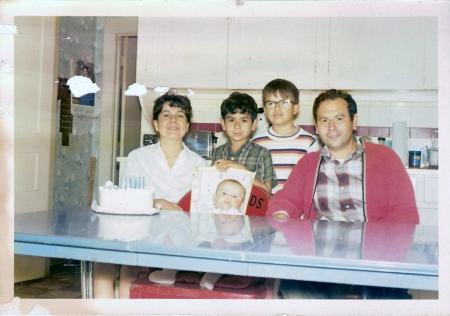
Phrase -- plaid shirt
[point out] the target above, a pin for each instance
(339, 187)
(254, 157)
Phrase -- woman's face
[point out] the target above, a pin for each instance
(171, 123)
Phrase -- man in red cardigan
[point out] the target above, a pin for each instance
(345, 180)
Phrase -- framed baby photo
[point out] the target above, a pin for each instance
(221, 192)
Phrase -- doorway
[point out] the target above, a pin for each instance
(127, 110)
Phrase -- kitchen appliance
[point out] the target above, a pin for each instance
(200, 142)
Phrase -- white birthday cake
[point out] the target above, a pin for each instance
(127, 200)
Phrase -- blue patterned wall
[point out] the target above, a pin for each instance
(80, 38)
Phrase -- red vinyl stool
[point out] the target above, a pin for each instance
(229, 286)
(261, 289)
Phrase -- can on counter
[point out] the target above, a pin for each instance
(414, 158)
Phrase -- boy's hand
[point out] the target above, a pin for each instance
(267, 186)
(223, 165)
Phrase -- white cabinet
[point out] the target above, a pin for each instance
(262, 49)
(382, 53)
(314, 53)
(347, 53)
(425, 183)
(182, 52)
(431, 54)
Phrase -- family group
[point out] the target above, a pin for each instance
(329, 176)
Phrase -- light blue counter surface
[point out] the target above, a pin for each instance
(392, 255)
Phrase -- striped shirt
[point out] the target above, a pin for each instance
(339, 188)
(286, 151)
(254, 157)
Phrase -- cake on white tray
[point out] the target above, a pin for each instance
(128, 200)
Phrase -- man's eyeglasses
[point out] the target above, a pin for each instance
(282, 103)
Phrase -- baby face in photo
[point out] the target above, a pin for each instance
(229, 196)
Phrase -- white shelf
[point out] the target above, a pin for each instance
(414, 171)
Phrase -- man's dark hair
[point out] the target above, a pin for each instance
(173, 100)
(239, 102)
(284, 87)
(334, 94)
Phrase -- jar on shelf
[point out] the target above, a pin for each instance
(434, 150)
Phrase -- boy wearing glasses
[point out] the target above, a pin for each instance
(287, 142)
(239, 121)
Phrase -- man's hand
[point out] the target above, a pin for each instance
(166, 205)
(223, 165)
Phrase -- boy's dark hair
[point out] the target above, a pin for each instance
(174, 100)
(334, 94)
(284, 87)
(238, 102)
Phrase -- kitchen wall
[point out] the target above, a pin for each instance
(377, 110)
(388, 64)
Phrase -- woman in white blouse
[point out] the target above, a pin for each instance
(167, 166)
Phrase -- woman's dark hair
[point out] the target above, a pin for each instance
(334, 94)
(239, 102)
(173, 100)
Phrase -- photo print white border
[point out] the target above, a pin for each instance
(192, 9)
